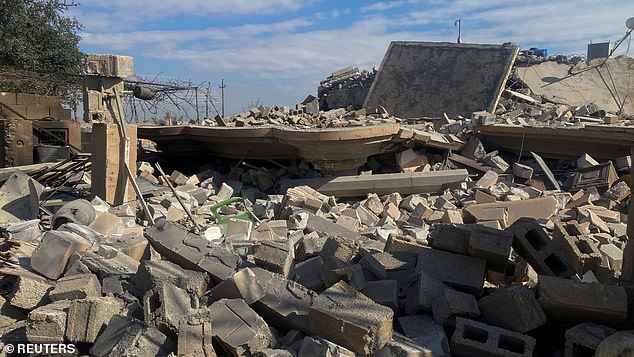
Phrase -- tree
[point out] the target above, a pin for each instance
(35, 35)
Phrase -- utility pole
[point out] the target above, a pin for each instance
(207, 95)
(458, 23)
(222, 88)
(197, 111)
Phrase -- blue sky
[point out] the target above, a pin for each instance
(277, 51)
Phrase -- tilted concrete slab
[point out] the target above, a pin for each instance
(431, 78)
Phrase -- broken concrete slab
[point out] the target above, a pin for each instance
(195, 336)
(539, 208)
(29, 293)
(19, 198)
(165, 305)
(382, 184)
(153, 273)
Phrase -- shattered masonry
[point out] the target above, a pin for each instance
(340, 232)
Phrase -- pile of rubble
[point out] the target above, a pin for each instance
(495, 266)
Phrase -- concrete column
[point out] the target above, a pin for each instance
(108, 174)
(628, 254)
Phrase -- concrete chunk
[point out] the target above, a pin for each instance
(76, 287)
(449, 303)
(165, 305)
(514, 308)
(349, 318)
(238, 329)
(88, 317)
(242, 285)
(195, 336)
(47, 324)
(585, 338)
(492, 245)
(568, 301)
(52, 254)
(464, 273)
(28, 293)
(274, 256)
(126, 336)
(153, 273)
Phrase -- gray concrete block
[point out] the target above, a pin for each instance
(456, 270)
(47, 324)
(308, 273)
(52, 254)
(238, 329)
(153, 273)
(129, 337)
(426, 332)
(74, 287)
(568, 301)
(165, 305)
(195, 336)
(475, 339)
(585, 338)
(515, 308)
(28, 293)
(88, 317)
(450, 237)
(347, 317)
(243, 285)
(449, 304)
(422, 289)
(274, 256)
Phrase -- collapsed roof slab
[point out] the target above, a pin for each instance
(334, 151)
(430, 78)
(603, 142)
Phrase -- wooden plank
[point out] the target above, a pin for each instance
(382, 184)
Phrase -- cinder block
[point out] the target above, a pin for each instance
(449, 304)
(382, 263)
(308, 273)
(47, 324)
(459, 271)
(126, 336)
(514, 308)
(285, 303)
(384, 292)
(110, 65)
(73, 287)
(165, 305)
(339, 247)
(450, 238)
(573, 302)
(274, 256)
(242, 285)
(154, 273)
(533, 244)
(29, 293)
(422, 289)
(580, 251)
(396, 243)
(475, 339)
(195, 336)
(52, 254)
(426, 332)
(349, 318)
(242, 330)
(584, 339)
(492, 245)
(88, 317)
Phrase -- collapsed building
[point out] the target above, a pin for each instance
(452, 213)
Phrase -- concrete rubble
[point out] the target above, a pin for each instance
(443, 245)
